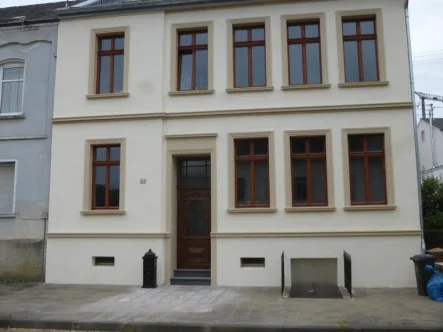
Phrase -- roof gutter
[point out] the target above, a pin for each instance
(27, 22)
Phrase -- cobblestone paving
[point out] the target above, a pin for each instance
(219, 305)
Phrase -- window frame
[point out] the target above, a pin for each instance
(112, 53)
(94, 65)
(13, 63)
(330, 206)
(174, 70)
(302, 19)
(388, 162)
(255, 21)
(88, 190)
(232, 174)
(14, 197)
(380, 47)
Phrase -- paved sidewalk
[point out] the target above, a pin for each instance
(208, 309)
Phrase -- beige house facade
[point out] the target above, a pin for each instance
(221, 134)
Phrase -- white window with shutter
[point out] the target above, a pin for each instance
(7, 187)
(11, 88)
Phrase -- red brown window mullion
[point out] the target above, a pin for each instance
(250, 64)
(194, 56)
(367, 178)
(304, 60)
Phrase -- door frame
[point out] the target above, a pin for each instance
(190, 145)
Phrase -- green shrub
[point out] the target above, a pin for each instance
(432, 203)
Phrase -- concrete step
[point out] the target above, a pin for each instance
(192, 273)
(192, 281)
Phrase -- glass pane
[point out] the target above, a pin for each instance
(13, 73)
(311, 31)
(201, 70)
(100, 154)
(242, 147)
(120, 43)
(258, 66)
(99, 186)
(357, 177)
(261, 179)
(241, 67)
(375, 143)
(317, 144)
(298, 145)
(185, 63)
(376, 180)
(258, 34)
(349, 28)
(300, 182)
(367, 27)
(104, 74)
(196, 218)
(115, 153)
(318, 181)
(201, 38)
(261, 147)
(351, 61)
(105, 44)
(295, 64)
(114, 186)
(185, 39)
(11, 98)
(356, 143)
(118, 73)
(369, 53)
(240, 35)
(294, 31)
(313, 63)
(243, 184)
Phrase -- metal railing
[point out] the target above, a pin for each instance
(282, 290)
(348, 271)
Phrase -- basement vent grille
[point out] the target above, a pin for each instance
(103, 261)
(252, 262)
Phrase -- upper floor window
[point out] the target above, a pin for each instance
(11, 88)
(110, 63)
(360, 49)
(192, 60)
(304, 52)
(249, 56)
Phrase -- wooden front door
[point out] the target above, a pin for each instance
(194, 213)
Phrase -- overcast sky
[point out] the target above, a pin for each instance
(427, 43)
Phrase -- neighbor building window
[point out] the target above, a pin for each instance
(249, 55)
(252, 172)
(110, 63)
(11, 88)
(309, 174)
(7, 184)
(367, 169)
(422, 135)
(192, 60)
(106, 177)
(304, 52)
(360, 49)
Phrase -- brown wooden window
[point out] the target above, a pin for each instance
(249, 56)
(192, 60)
(360, 49)
(309, 176)
(110, 63)
(106, 177)
(304, 53)
(252, 172)
(367, 169)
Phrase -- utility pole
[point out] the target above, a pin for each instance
(423, 107)
(431, 117)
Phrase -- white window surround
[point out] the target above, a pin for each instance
(12, 63)
(11, 214)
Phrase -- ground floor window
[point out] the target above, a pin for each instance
(7, 186)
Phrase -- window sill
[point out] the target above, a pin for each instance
(103, 212)
(7, 215)
(191, 93)
(370, 208)
(108, 95)
(251, 89)
(305, 87)
(362, 84)
(11, 116)
(252, 210)
(311, 209)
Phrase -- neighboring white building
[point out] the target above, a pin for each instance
(431, 147)
(167, 137)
